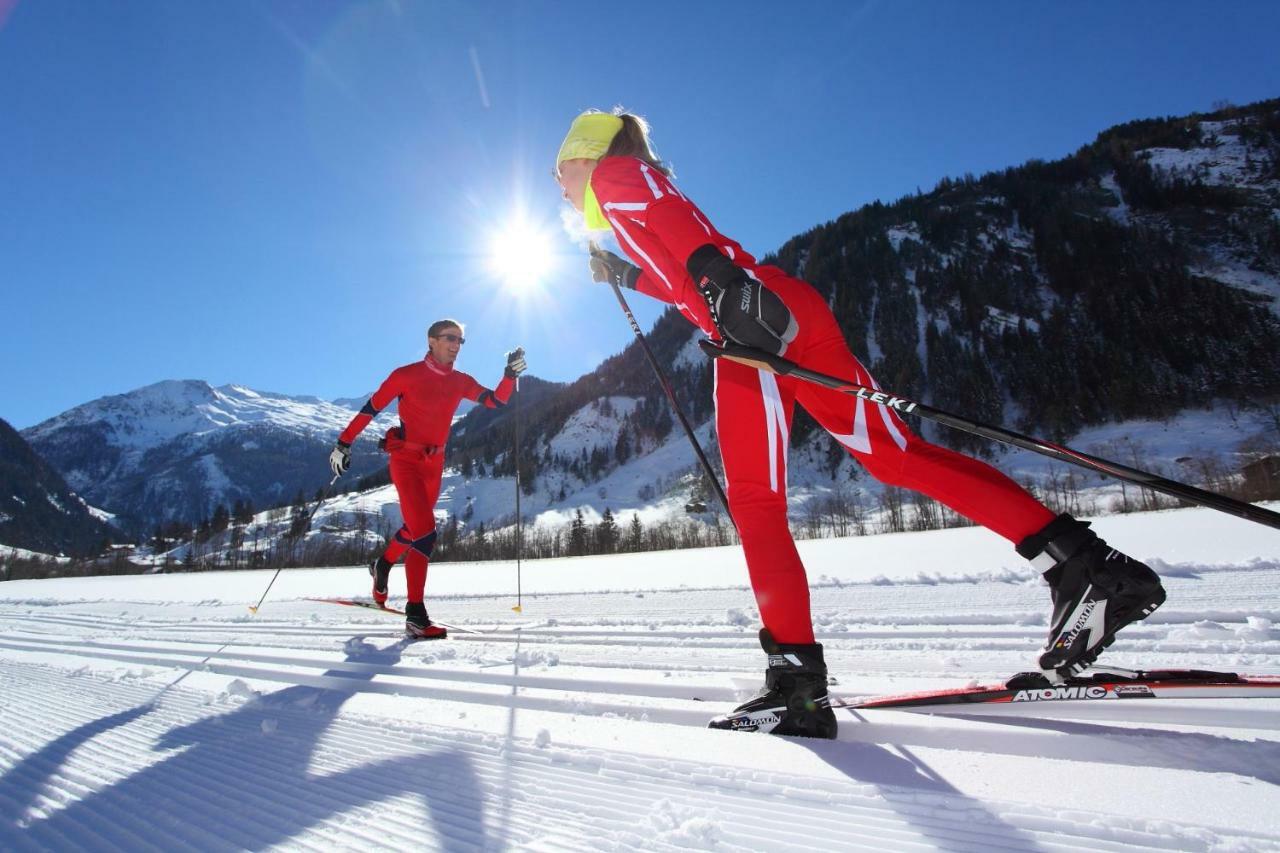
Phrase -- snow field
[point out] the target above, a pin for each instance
(156, 712)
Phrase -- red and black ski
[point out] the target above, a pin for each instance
(1034, 687)
(390, 611)
(355, 602)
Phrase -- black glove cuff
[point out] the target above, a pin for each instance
(342, 445)
(708, 262)
(629, 277)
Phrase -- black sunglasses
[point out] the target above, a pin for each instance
(451, 338)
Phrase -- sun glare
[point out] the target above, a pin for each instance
(520, 255)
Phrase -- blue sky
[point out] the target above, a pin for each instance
(284, 195)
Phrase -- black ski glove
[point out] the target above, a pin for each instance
(340, 458)
(515, 363)
(743, 310)
(609, 268)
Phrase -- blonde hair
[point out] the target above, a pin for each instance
(633, 141)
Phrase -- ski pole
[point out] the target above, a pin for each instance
(785, 367)
(671, 396)
(328, 493)
(519, 608)
(253, 608)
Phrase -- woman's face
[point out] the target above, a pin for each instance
(572, 177)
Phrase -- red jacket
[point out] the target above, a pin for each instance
(659, 229)
(429, 394)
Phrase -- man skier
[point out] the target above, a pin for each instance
(429, 392)
(607, 170)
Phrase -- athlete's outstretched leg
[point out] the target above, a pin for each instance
(1096, 590)
(878, 438)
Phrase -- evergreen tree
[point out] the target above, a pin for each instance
(635, 534)
(577, 535)
(606, 533)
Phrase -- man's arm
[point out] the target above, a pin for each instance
(340, 456)
(499, 396)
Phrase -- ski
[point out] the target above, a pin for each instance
(390, 611)
(355, 602)
(1100, 684)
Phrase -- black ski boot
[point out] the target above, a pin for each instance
(418, 626)
(380, 571)
(1096, 591)
(794, 701)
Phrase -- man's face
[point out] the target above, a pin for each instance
(445, 345)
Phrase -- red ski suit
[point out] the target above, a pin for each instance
(429, 394)
(659, 229)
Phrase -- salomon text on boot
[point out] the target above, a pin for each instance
(794, 700)
(1096, 591)
(418, 626)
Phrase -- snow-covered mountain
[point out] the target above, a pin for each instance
(177, 449)
(38, 512)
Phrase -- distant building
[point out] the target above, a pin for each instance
(1262, 478)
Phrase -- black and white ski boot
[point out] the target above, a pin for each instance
(418, 626)
(380, 571)
(794, 701)
(1096, 591)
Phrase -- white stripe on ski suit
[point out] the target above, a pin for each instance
(622, 232)
(860, 440)
(634, 207)
(775, 419)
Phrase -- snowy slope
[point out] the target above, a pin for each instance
(1226, 160)
(157, 713)
(174, 450)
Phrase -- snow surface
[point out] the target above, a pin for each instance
(157, 712)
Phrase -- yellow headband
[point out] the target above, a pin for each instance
(589, 137)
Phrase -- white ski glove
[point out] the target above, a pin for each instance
(340, 458)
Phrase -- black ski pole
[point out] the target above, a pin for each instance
(253, 608)
(671, 395)
(519, 608)
(785, 367)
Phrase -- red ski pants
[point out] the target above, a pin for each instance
(417, 480)
(753, 421)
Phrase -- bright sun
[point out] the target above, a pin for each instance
(520, 255)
